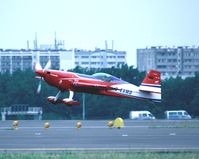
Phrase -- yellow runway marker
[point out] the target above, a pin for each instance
(79, 124)
(110, 124)
(46, 125)
(15, 124)
(119, 123)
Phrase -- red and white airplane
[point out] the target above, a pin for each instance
(98, 83)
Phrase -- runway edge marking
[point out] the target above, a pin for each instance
(102, 149)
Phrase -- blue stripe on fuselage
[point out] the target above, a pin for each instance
(148, 85)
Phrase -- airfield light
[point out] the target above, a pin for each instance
(110, 124)
(15, 124)
(79, 124)
(46, 125)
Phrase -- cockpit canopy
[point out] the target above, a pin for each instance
(107, 78)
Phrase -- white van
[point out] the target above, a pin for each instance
(176, 114)
(141, 115)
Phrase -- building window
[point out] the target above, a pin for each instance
(85, 57)
(121, 63)
(111, 63)
(161, 66)
(121, 57)
(111, 57)
(85, 63)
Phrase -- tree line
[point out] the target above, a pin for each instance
(20, 88)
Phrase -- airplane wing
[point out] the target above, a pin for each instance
(86, 85)
(92, 86)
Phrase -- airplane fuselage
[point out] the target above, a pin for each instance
(68, 81)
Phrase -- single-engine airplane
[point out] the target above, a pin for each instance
(98, 83)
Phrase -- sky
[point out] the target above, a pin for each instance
(86, 24)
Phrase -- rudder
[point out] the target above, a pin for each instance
(152, 82)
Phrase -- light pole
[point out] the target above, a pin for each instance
(83, 111)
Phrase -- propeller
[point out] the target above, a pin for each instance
(38, 66)
(48, 65)
(40, 72)
(39, 88)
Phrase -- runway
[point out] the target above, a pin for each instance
(31, 136)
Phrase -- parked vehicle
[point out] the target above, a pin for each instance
(141, 115)
(177, 114)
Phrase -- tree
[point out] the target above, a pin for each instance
(20, 88)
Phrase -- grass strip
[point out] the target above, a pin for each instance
(111, 155)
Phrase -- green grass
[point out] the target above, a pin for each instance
(111, 155)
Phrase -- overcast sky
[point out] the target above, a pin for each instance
(86, 24)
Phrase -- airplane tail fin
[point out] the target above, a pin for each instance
(152, 82)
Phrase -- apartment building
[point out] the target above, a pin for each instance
(61, 59)
(12, 60)
(171, 62)
(99, 58)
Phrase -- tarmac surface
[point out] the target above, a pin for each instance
(63, 136)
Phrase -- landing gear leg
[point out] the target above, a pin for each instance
(57, 96)
(54, 99)
(70, 101)
(71, 95)
(67, 101)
